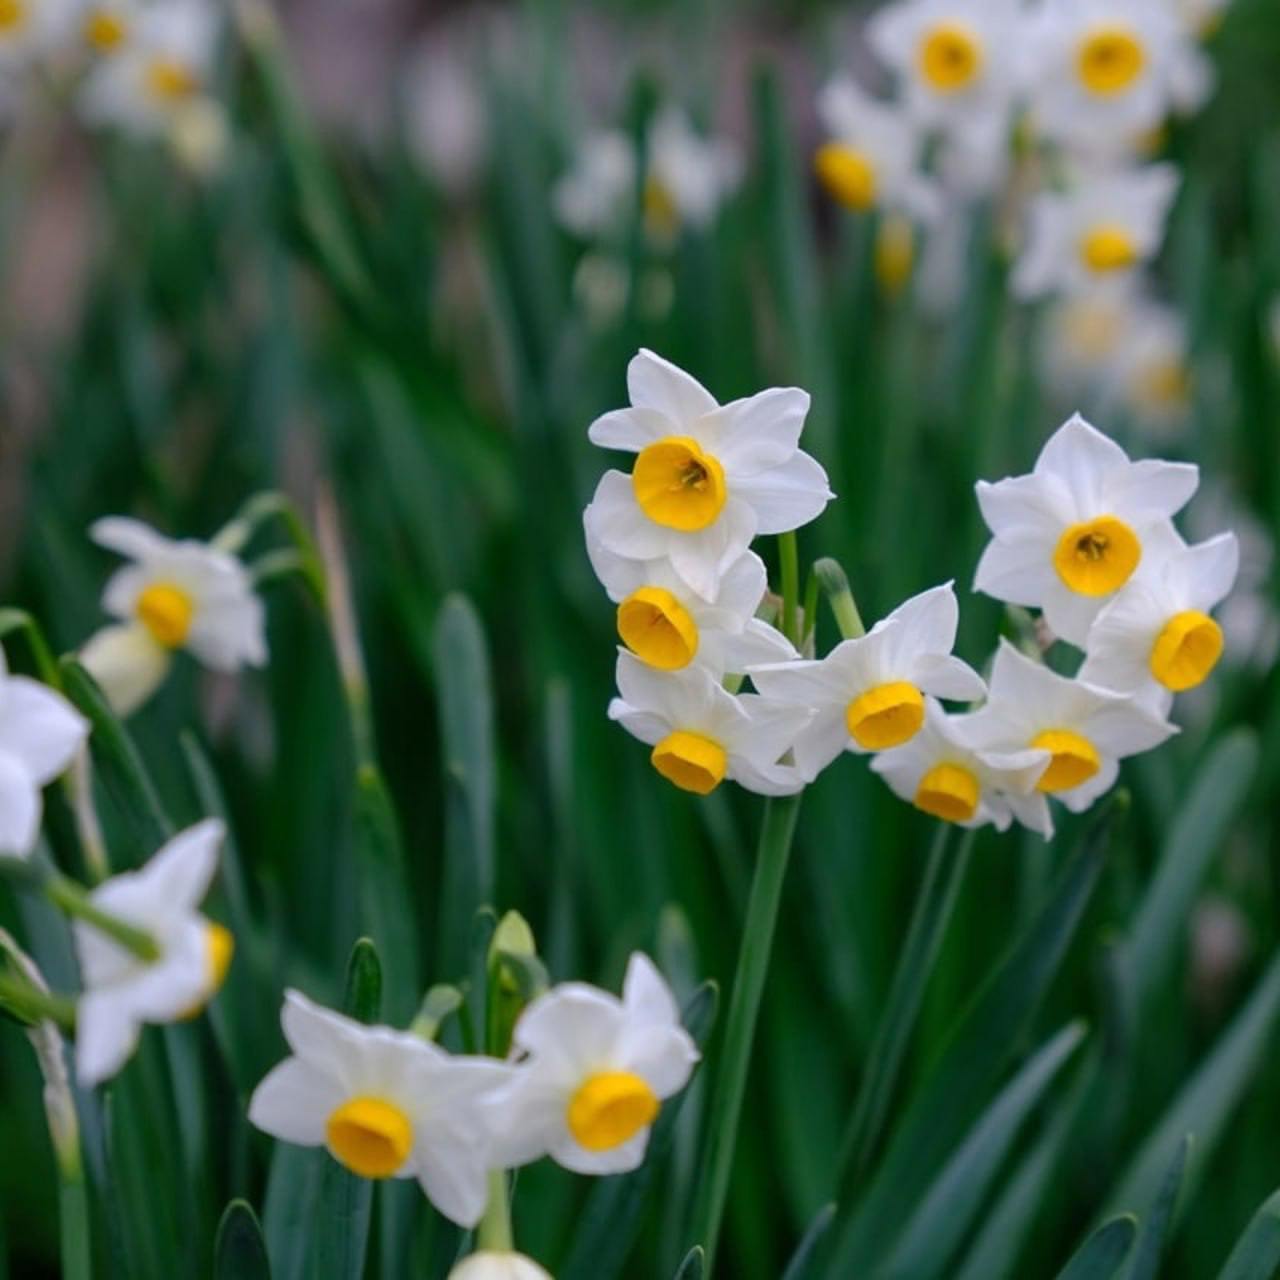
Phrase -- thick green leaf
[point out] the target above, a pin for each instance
(804, 1262)
(934, 1230)
(1103, 1253)
(289, 1208)
(1155, 1227)
(1257, 1252)
(239, 1251)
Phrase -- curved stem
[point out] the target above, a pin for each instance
(494, 1231)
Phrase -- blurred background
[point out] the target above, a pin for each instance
(364, 285)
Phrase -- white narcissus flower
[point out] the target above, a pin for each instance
(943, 775)
(1151, 372)
(1069, 535)
(958, 60)
(33, 29)
(489, 1264)
(108, 26)
(1103, 72)
(869, 694)
(591, 200)
(668, 625)
(120, 990)
(1084, 330)
(707, 477)
(1099, 232)
(871, 159)
(158, 72)
(1087, 731)
(689, 176)
(701, 734)
(1156, 637)
(591, 1074)
(40, 733)
(175, 595)
(385, 1103)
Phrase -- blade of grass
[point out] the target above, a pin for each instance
(1256, 1255)
(804, 1262)
(1103, 1253)
(239, 1251)
(1155, 1227)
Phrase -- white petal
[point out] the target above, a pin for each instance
(40, 728)
(1121, 727)
(1080, 798)
(20, 807)
(655, 383)
(758, 643)
(294, 1102)
(328, 1041)
(786, 496)
(1211, 568)
(1084, 459)
(615, 518)
(1019, 573)
(759, 433)
(824, 738)
(645, 993)
(179, 874)
(701, 559)
(129, 537)
(630, 429)
(663, 1057)
(454, 1177)
(1069, 614)
(106, 1034)
(622, 1159)
(229, 634)
(127, 663)
(644, 725)
(1152, 487)
(572, 1024)
(948, 677)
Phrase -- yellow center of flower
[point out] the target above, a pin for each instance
(1186, 650)
(847, 173)
(950, 57)
(166, 611)
(1164, 384)
(678, 485)
(1096, 557)
(104, 30)
(13, 15)
(1075, 759)
(170, 81)
(691, 761)
(1108, 248)
(609, 1108)
(370, 1136)
(886, 716)
(220, 946)
(895, 253)
(949, 792)
(661, 214)
(658, 629)
(1110, 59)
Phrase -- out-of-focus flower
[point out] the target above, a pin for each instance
(1156, 637)
(701, 734)
(444, 114)
(1084, 330)
(707, 477)
(33, 29)
(175, 595)
(872, 154)
(121, 991)
(668, 626)
(40, 733)
(1152, 370)
(1070, 534)
(491, 1265)
(107, 26)
(869, 694)
(199, 136)
(592, 1073)
(1087, 731)
(386, 1104)
(1105, 227)
(940, 773)
(591, 199)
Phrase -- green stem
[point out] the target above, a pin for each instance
(73, 1224)
(72, 899)
(236, 534)
(494, 1231)
(31, 1004)
(789, 559)
(809, 614)
(744, 1010)
(839, 595)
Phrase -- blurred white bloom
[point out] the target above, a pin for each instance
(591, 199)
(592, 1072)
(1083, 333)
(1151, 370)
(162, 67)
(200, 137)
(33, 29)
(1086, 731)
(702, 734)
(869, 693)
(40, 733)
(707, 477)
(386, 1104)
(1156, 637)
(120, 990)
(175, 595)
(444, 114)
(1070, 534)
(871, 157)
(107, 26)
(689, 176)
(490, 1265)
(942, 775)
(958, 60)
(1103, 72)
(667, 625)
(1107, 225)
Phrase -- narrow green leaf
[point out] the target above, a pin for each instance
(1155, 1227)
(440, 1003)
(940, 1221)
(1103, 1253)
(1257, 1252)
(693, 1266)
(289, 1208)
(804, 1262)
(239, 1251)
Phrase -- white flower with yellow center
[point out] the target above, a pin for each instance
(1103, 72)
(1156, 638)
(107, 26)
(1069, 535)
(956, 59)
(40, 734)
(120, 990)
(385, 1103)
(871, 158)
(869, 694)
(943, 775)
(1099, 232)
(669, 626)
(175, 595)
(489, 1264)
(33, 29)
(592, 198)
(1082, 334)
(707, 477)
(159, 73)
(701, 734)
(1087, 731)
(1151, 373)
(591, 1074)
(689, 176)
